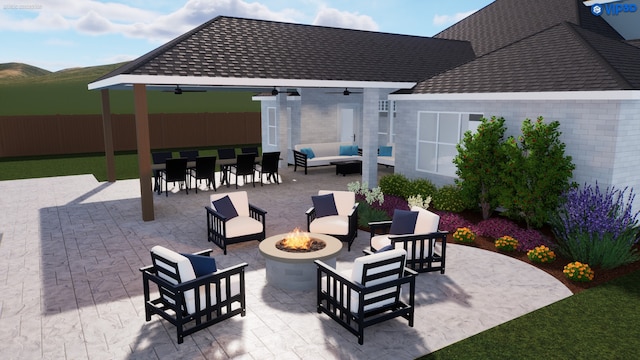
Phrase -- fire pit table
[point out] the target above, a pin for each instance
(296, 270)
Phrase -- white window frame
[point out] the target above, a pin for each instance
(272, 126)
(420, 143)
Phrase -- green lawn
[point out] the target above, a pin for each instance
(599, 323)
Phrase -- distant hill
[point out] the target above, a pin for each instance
(23, 73)
(20, 71)
(40, 92)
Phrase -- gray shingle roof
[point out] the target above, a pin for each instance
(246, 48)
(563, 57)
(504, 22)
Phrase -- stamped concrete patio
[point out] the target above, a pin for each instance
(70, 287)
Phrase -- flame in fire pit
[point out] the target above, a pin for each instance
(297, 240)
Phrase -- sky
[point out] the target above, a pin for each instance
(62, 34)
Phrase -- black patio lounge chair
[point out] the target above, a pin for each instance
(192, 295)
(370, 295)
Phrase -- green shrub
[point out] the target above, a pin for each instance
(448, 198)
(535, 174)
(395, 184)
(422, 187)
(477, 162)
(367, 214)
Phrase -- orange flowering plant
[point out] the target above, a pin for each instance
(464, 234)
(578, 271)
(506, 243)
(541, 254)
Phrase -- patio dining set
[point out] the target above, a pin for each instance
(190, 168)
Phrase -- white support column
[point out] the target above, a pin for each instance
(371, 123)
(283, 126)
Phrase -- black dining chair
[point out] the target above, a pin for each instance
(191, 155)
(245, 165)
(225, 154)
(269, 166)
(250, 150)
(159, 157)
(176, 170)
(205, 169)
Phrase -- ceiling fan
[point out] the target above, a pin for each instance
(345, 92)
(178, 90)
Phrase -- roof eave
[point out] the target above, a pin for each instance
(123, 81)
(529, 96)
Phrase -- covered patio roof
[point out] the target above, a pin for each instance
(228, 53)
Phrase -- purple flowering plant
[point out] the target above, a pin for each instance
(595, 227)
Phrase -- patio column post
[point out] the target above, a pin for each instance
(108, 136)
(283, 125)
(370, 127)
(144, 150)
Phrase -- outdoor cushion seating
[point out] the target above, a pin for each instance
(342, 219)
(188, 299)
(231, 219)
(321, 154)
(367, 294)
(386, 155)
(425, 245)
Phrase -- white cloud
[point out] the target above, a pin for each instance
(97, 18)
(344, 19)
(440, 20)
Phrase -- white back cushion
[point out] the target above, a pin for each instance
(185, 269)
(239, 199)
(344, 200)
(358, 271)
(427, 221)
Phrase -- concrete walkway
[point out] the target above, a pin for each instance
(70, 287)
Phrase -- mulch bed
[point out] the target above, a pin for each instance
(555, 268)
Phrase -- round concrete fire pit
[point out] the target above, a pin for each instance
(296, 270)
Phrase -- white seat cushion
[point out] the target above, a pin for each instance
(331, 225)
(185, 269)
(427, 221)
(358, 271)
(243, 225)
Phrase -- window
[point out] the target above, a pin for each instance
(386, 131)
(272, 126)
(438, 135)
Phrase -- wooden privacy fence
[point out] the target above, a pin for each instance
(75, 134)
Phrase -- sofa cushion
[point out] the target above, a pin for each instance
(225, 207)
(404, 222)
(202, 265)
(308, 152)
(324, 205)
(427, 222)
(239, 199)
(385, 151)
(344, 200)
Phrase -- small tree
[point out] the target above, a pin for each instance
(536, 172)
(478, 159)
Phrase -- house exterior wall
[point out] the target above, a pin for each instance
(600, 136)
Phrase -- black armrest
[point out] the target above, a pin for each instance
(379, 227)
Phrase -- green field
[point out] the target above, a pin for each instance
(65, 92)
